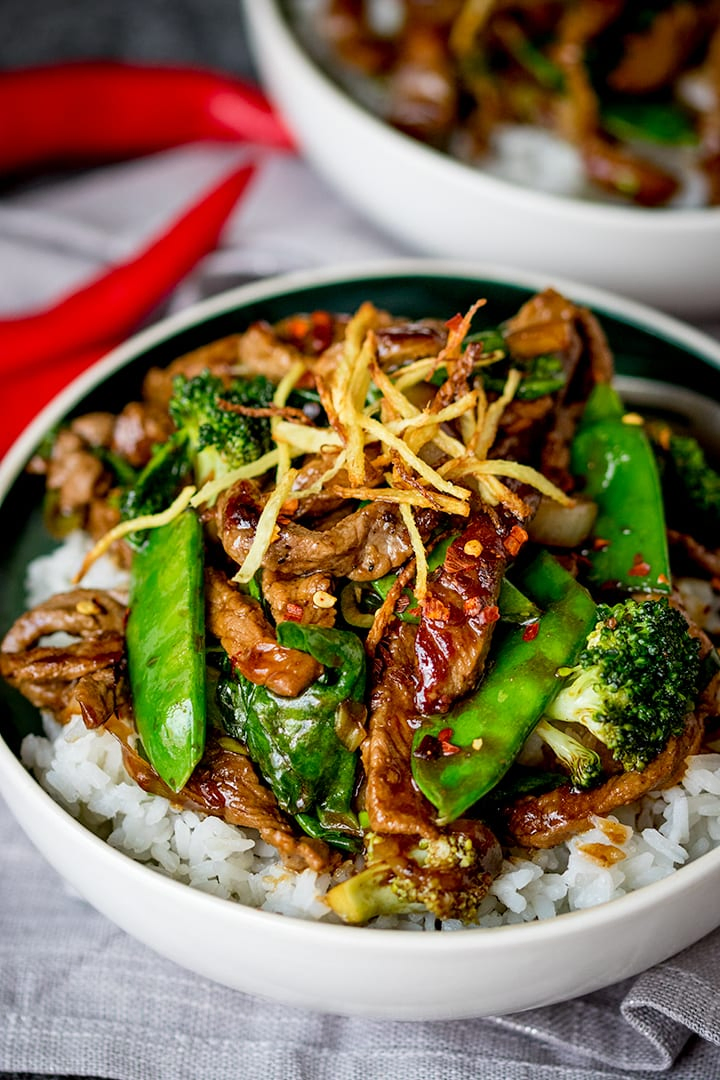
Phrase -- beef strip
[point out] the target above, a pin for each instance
(139, 427)
(217, 357)
(614, 168)
(393, 803)
(401, 343)
(87, 613)
(607, 163)
(328, 500)
(710, 121)
(363, 546)
(421, 86)
(545, 820)
(523, 428)
(58, 677)
(74, 473)
(705, 558)
(95, 428)
(399, 814)
(344, 26)
(225, 785)
(653, 57)
(98, 695)
(460, 611)
(307, 599)
(548, 322)
(247, 637)
(257, 351)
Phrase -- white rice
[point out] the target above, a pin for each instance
(83, 771)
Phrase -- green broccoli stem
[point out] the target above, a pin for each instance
(613, 456)
(635, 680)
(582, 763)
(366, 895)
(459, 757)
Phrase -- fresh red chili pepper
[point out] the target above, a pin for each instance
(88, 112)
(40, 353)
(25, 394)
(112, 305)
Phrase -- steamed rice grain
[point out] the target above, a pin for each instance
(84, 772)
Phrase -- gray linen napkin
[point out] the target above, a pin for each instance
(77, 995)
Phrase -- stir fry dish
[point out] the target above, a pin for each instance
(634, 88)
(402, 594)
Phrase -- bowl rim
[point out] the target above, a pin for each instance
(271, 20)
(630, 312)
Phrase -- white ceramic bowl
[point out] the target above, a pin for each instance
(350, 970)
(442, 207)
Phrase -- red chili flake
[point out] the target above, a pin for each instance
(436, 610)
(322, 331)
(443, 737)
(473, 606)
(456, 561)
(663, 438)
(297, 327)
(491, 613)
(288, 508)
(455, 323)
(428, 749)
(515, 540)
(599, 544)
(293, 612)
(639, 567)
(531, 631)
(403, 603)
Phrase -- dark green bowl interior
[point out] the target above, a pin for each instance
(638, 352)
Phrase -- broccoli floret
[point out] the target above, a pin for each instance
(691, 487)
(445, 876)
(219, 438)
(635, 681)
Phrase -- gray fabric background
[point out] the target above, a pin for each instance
(206, 32)
(77, 996)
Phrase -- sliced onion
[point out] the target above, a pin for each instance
(351, 613)
(562, 526)
(350, 717)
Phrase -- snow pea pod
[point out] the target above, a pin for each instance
(612, 454)
(166, 648)
(461, 756)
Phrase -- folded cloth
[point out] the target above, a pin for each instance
(77, 995)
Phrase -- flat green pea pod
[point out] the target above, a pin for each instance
(166, 647)
(612, 454)
(306, 746)
(461, 756)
